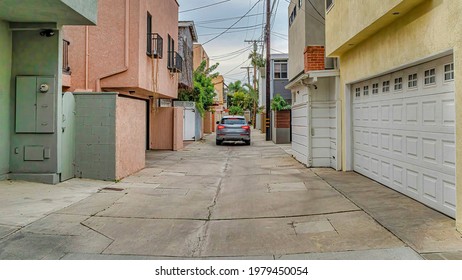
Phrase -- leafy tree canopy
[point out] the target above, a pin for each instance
(203, 90)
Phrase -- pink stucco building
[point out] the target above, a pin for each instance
(114, 55)
(133, 51)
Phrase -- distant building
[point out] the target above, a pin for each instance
(279, 79)
(187, 36)
(200, 55)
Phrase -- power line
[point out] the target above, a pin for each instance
(315, 18)
(233, 24)
(316, 10)
(234, 52)
(225, 19)
(233, 28)
(236, 67)
(203, 7)
(235, 31)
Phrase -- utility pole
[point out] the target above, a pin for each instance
(248, 73)
(268, 70)
(253, 55)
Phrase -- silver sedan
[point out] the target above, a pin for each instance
(233, 128)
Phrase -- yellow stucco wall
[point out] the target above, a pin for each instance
(355, 20)
(428, 29)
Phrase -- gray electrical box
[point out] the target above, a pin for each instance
(35, 104)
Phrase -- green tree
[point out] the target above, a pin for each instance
(203, 90)
(279, 103)
(236, 111)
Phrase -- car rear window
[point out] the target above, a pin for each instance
(233, 121)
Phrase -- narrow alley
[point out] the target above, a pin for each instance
(222, 202)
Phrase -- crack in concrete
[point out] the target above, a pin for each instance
(201, 239)
(232, 219)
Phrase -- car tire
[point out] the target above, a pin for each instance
(247, 142)
(219, 142)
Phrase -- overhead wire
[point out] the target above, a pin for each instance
(203, 7)
(219, 35)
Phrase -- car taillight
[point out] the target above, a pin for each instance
(246, 127)
(221, 127)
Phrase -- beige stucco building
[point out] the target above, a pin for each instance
(400, 90)
(200, 55)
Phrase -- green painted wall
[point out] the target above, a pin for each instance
(5, 80)
(95, 135)
(35, 55)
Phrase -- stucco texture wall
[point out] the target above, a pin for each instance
(130, 136)
(34, 55)
(123, 64)
(95, 136)
(307, 29)
(429, 29)
(5, 79)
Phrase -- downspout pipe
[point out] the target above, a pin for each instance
(126, 53)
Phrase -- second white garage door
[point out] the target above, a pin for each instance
(404, 132)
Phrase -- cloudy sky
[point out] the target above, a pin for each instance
(230, 50)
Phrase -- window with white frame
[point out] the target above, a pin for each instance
(366, 91)
(386, 86)
(430, 77)
(412, 81)
(375, 88)
(399, 83)
(358, 92)
(449, 72)
(280, 69)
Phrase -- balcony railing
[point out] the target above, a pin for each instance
(66, 67)
(155, 45)
(175, 62)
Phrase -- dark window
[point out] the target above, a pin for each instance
(233, 121)
(149, 34)
(171, 51)
(280, 69)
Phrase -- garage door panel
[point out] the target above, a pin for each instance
(435, 151)
(406, 139)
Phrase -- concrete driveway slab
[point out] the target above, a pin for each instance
(167, 203)
(7, 230)
(176, 238)
(23, 202)
(401, 253)
(32, 246)
(353, 231)
(93, 204)
(424, 229)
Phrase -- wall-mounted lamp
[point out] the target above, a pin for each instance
(47, 33)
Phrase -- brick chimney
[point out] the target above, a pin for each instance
(315, 58)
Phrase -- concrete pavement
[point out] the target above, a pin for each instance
(222, 202)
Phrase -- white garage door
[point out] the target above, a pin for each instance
(300, 132)
(404, 132)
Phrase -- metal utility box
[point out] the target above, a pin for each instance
(35, 104)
